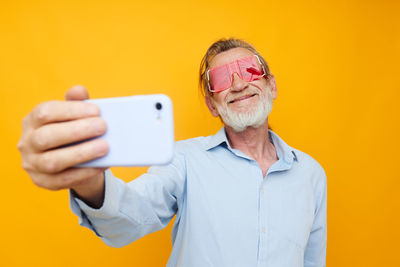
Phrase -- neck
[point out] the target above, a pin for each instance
(253, 142)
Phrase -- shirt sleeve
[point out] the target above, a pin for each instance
(315, 254)
(132, 210)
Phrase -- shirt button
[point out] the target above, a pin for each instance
(262, 191)
(263, 230)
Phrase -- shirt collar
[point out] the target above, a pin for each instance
(283, 150)
(218, 139)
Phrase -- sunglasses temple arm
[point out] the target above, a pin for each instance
(208, 80)
(259, 61)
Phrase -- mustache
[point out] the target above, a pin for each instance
(232, 97)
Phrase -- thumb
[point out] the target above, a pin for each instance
(77, 92)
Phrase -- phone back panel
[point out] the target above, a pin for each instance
(140, 131)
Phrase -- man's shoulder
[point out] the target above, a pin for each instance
(312, 170)
(307, 161)
(199, 143)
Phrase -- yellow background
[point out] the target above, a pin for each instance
(337, 68)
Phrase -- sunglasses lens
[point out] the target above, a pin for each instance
(254, 71)
(220, 78)
(247, 68)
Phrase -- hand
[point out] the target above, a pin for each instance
(51, 126)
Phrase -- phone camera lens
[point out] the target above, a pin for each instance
(158, 106)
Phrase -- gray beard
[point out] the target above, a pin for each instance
(255, 117)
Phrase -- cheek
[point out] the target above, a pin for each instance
(220, 98)
(261, 86)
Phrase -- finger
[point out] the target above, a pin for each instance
(77, 92)
(66, 179)
(58, 134)
(57, 160)
(58, 111)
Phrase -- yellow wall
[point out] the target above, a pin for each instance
(337, 70)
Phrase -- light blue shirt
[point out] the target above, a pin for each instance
(227, 213)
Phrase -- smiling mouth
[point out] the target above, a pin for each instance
(241, 98)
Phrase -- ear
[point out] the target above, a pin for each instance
(211, 107)
(272, 85)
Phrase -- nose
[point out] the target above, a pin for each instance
(237, 83)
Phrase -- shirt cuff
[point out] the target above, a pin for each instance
(113, 188)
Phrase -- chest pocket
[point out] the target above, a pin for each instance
(291, 213)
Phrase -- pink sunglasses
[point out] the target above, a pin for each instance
(249, 69)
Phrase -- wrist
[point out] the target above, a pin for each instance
(91, 191)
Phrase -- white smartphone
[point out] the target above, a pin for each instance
(140, 131)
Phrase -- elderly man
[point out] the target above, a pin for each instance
(241, 197)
